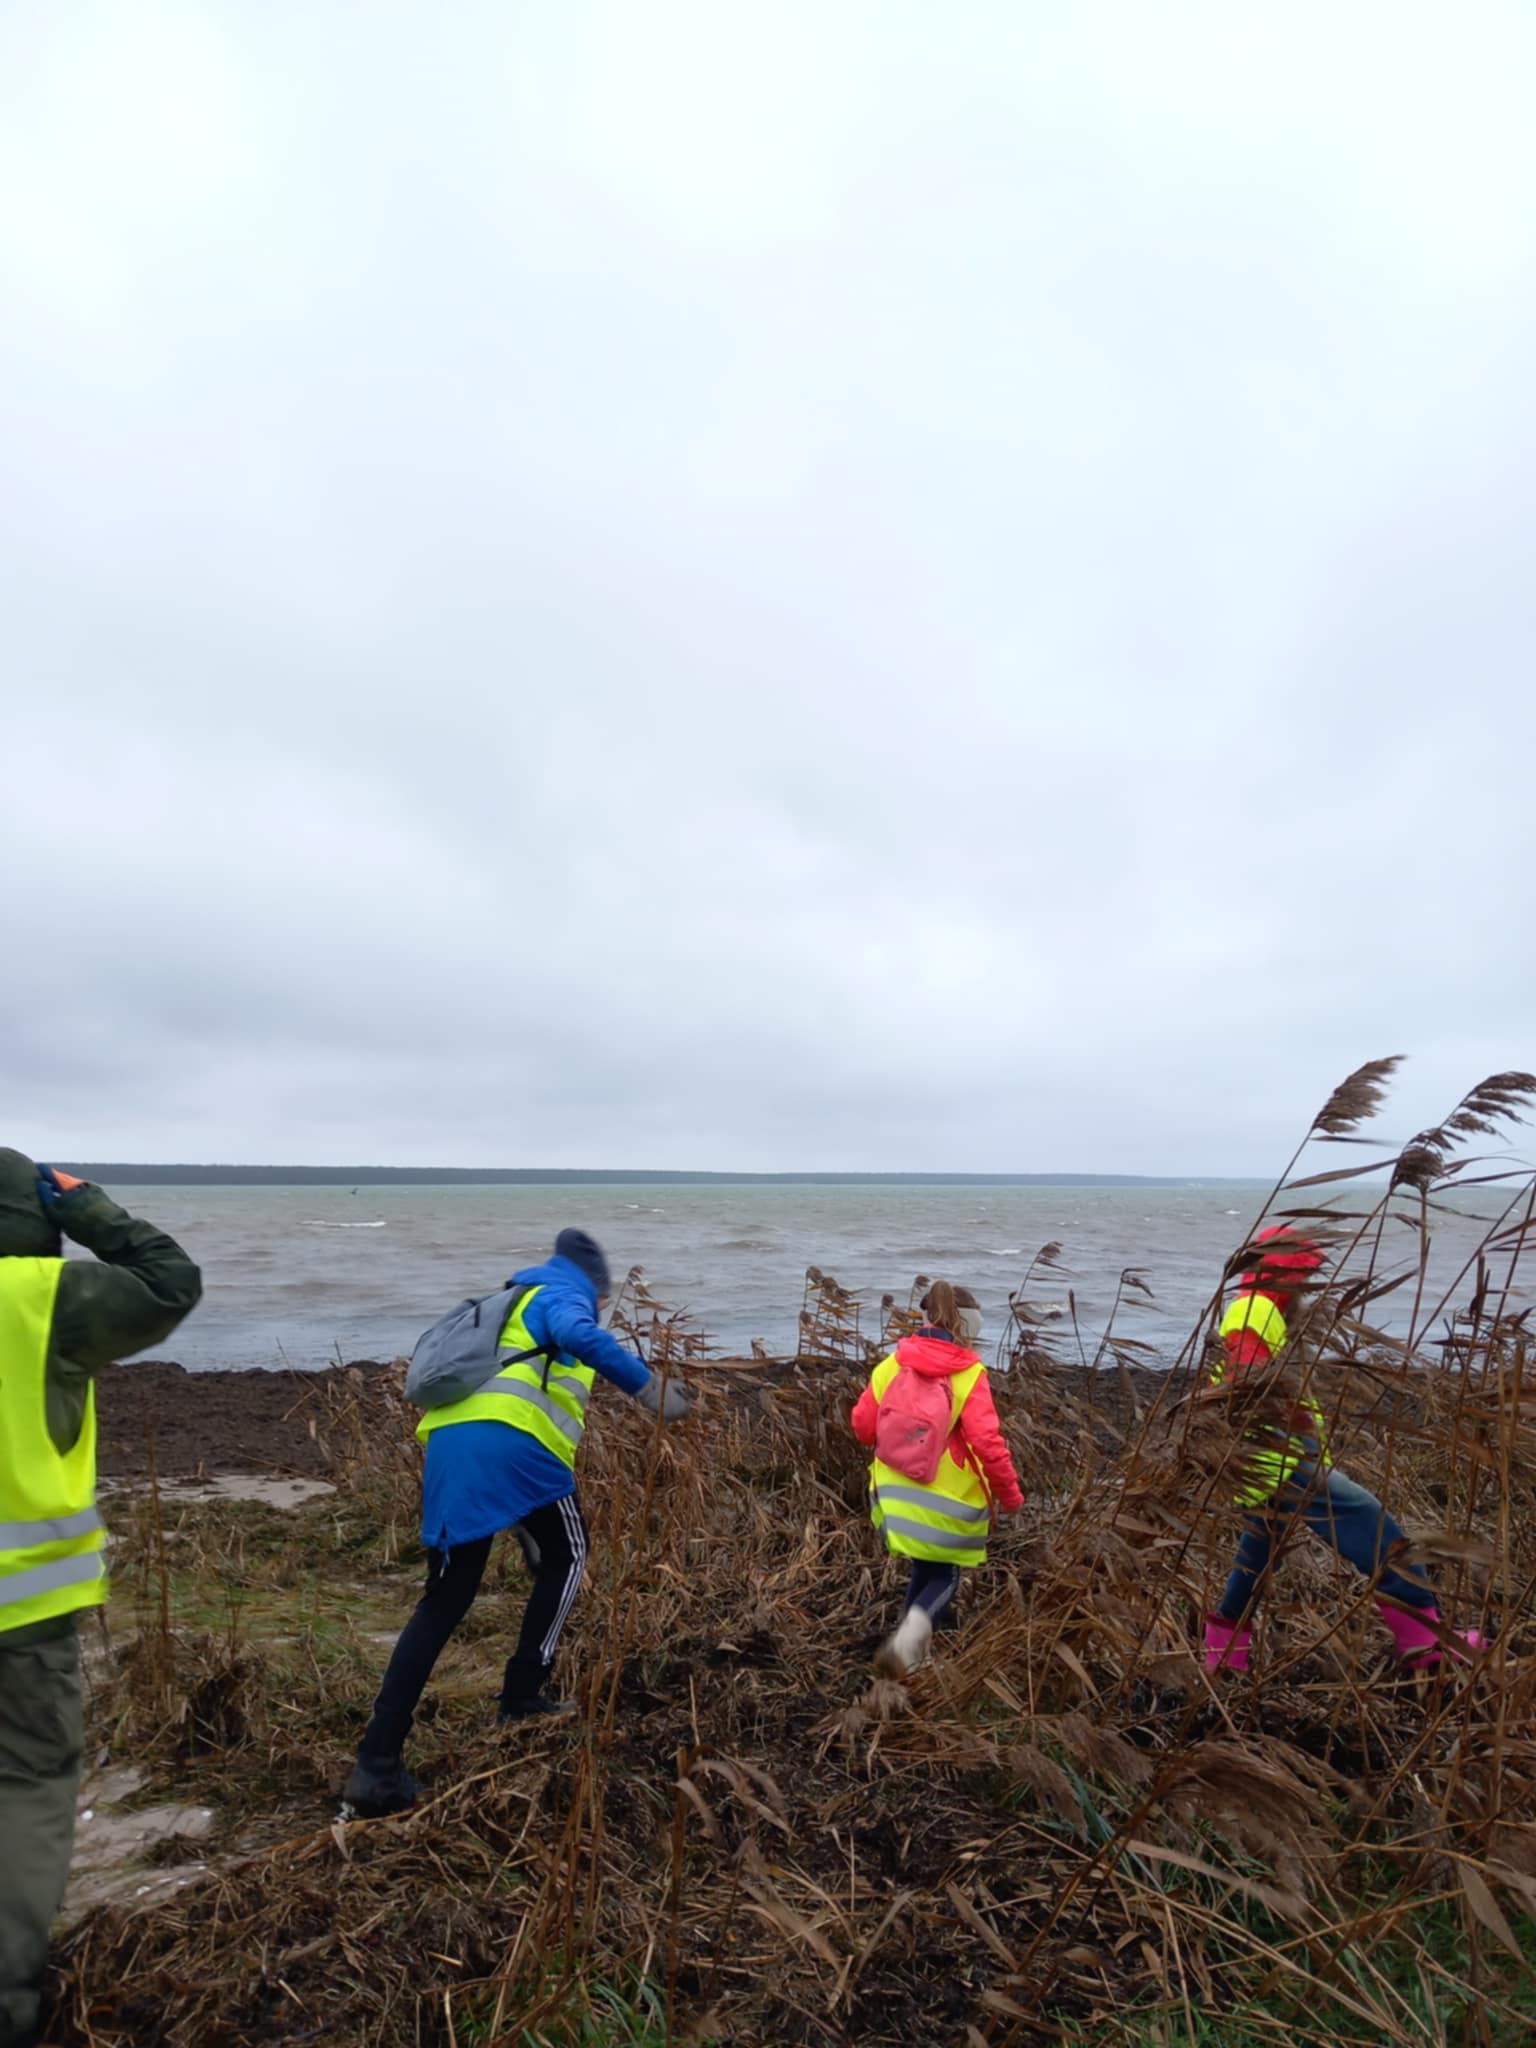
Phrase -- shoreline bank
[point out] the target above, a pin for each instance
(158, 1417)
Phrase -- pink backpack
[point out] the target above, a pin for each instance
(913, 1426)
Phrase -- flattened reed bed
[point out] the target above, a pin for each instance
(1060, 1830)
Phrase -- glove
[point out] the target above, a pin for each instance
(671, 1409)
(52, 1185)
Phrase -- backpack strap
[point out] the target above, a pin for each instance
(503, 1360)
(956, 1407)
(550, 1358)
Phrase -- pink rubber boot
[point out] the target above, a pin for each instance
(1226, 1644)
(1418, 1646)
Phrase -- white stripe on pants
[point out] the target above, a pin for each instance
(578, 1542)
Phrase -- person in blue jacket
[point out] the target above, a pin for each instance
(505, 1458)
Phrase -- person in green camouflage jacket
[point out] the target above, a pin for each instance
(61, 1321)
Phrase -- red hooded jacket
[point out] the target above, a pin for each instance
(1278, 1277)
(978, 1438)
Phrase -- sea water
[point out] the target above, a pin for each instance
(305, 1276)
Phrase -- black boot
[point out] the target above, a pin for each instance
(540, 1707)
(524, 1696)
(377, 1786)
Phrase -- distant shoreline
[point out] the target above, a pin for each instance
(140, 1175)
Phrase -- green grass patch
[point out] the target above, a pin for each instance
(586, 2015)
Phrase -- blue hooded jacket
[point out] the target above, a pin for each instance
(481, 1477)
(563, 1315)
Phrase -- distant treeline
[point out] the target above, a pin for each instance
(139, 1175)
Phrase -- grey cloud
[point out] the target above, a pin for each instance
(672, 589)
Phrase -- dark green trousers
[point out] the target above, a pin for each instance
(42, 1738)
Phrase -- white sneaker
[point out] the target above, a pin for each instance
(904, 1651)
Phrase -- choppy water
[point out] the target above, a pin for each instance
(306, 1275)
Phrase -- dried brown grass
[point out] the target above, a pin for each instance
(1060, 1821)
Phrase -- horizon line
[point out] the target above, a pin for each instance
(228, 1170)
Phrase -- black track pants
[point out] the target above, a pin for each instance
(554, 1541)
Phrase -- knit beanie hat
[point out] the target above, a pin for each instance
(586, 1254)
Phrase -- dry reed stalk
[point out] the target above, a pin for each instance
(661, 1335)
(830, 1317)
(1062, 1820)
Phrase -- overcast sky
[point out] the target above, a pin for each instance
(829, 585)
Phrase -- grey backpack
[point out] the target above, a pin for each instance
(462, 1350)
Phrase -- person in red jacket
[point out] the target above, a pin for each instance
(941, 1470)
(1290, 1477)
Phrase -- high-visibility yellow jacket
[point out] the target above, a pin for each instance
(948, 1520)
(51, 1536)
(1253, 1331)
(542, 1394)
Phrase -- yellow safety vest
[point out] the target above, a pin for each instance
(545, 1395)
(51, 1537)
(1272, 1467)
(947, 1521)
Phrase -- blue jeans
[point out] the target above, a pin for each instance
(1348, 1518)
(932, 1587)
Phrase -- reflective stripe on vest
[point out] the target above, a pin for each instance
(947, 1522)
(508, 1389)
(925, 1534)
(545, 1397)
(52, 1529)
(51, 1536)
(42, 1579)
(921, 1496)
(1270, 1467)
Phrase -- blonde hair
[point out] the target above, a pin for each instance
(942, 1304)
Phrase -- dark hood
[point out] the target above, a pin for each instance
(25, 1232)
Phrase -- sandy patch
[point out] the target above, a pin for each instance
(257, 1486)
(114, 1845)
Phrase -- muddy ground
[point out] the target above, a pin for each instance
(195, 1424)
